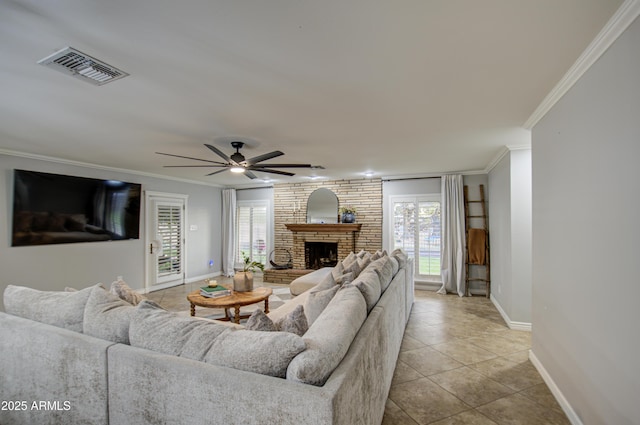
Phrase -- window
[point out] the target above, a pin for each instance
(252, 230)
(416, 229)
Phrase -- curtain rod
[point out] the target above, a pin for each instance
(412, 178)
(253, 188)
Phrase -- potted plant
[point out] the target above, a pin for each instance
(243, 279)
(348, 214)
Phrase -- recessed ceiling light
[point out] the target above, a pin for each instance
(369, 174)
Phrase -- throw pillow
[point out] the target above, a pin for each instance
(400, 256)
(124, 291)
(343, 279)
(327, 283)
(294, 322)
(317, 302)
(362, 253)
(354, 268)
(364, 262)
(349, 259)
(258, 321)
(57, 308)
(337, 270)
(106, 316)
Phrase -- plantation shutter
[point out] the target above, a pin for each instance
(252, 231)
(169, 231)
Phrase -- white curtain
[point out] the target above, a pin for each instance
(228, 231)
(453, 235)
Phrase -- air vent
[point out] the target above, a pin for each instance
(82, 66)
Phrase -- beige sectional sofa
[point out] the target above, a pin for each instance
(338, 372)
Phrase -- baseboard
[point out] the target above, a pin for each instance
(172, 284)
(560, 398)
(516, 326)
(203, 277)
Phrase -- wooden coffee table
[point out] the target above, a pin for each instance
(235, 301)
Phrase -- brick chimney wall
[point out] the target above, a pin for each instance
(364, 194)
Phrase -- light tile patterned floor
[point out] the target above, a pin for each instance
(459, 364)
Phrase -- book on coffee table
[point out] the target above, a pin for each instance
(218, 291)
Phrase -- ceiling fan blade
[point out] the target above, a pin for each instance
(219, 152)
(216, 172)
(266, 170)
(192, 166)
(250, 174)
(188, 157)
(281, 166)
(264, 157)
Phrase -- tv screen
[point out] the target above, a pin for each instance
(53, 208)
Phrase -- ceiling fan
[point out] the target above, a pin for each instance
(236, 163)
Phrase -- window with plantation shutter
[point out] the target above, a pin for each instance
(415, 226)
(252, 230)
(169, 232)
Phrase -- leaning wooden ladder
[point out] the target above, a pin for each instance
(467, 225)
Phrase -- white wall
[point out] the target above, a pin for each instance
(510, 237)
(586, 289)
(500, 233)
(52, 267)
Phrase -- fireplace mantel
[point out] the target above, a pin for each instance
(328, 228)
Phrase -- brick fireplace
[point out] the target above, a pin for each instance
(366, 233)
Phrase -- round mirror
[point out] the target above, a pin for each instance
(322, 207)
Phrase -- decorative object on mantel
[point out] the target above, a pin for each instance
(243, 280)
(348, 214)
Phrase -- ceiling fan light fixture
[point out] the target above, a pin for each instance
(237, 170)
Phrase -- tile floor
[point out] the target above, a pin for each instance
(459, 363)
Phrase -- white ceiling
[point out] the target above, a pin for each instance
(407, 87)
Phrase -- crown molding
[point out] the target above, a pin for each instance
(99, 167)
(503, 152)
(618, 23)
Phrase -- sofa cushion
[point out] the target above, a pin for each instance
(268, 353)
(384, 269)
(106, 316)
(205, 340)
(58, 308)
(369, 285)
(124, 291)
(329, 338)
(395, 266)
(400, 256)
(317, 302)
(154, 328)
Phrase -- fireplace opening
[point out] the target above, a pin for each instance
(320, 254)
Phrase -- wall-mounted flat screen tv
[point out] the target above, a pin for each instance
(53, 208)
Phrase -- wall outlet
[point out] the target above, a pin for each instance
(193, 227)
